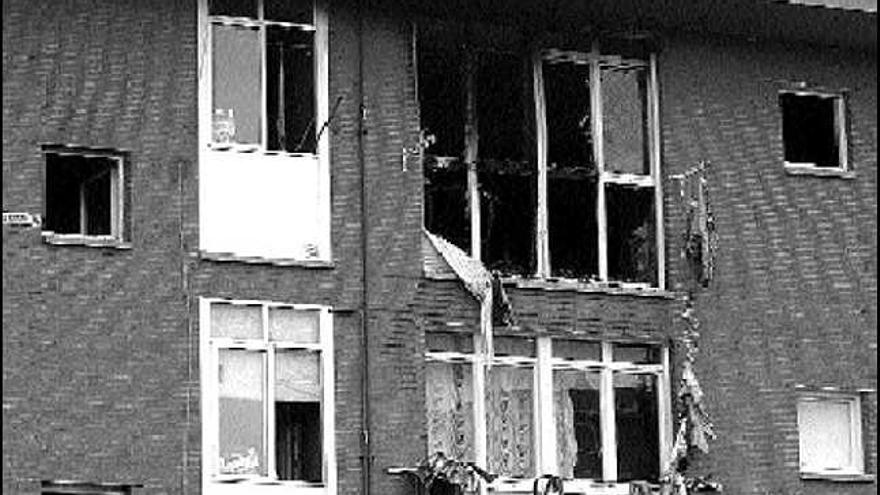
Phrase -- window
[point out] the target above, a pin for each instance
(561, 149)
(830, 433)
(814, 130)
(264, 169)
(65, 487)
(268, 395)
(85, 195)
(587, 411)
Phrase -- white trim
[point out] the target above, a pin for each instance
(607, 420)
(853, 401)
(654, 137)
(598, 129)
(542, 226)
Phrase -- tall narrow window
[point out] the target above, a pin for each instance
(266, 413)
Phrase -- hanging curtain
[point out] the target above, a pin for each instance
(509, 409)
(449, 397)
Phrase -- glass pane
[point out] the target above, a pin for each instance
(577, 350)
(625, 120)
(236, 85)
(294, 325)
(241, 412)
(825, 430)
(290, 89)
(638, 443)
(450, 407)
(509, 421)
(637, 354)
(449, 342)
(233, 8)
(514, 346)
(578, 428)
(632, 244)
(298, 11)
(298, 426)
(236, 321)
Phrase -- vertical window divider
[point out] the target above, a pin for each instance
(471, 151)
(542, 243)
(268, 410)
(546, 420)
(654, 137)
(83, 211)
(607, 415)
(664, 409)
(264, 71)
(328, 394)
(599, 156)
(116, 214)
(840, 130)
(478, 367)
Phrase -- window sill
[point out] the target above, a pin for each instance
(839, 477)
(258, 260)
(84, 240)
(262, 486)
(610, 288)
(811, 170)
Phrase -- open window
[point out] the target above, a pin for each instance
(814, 131)
(268, 394)
(560, 147)
(264, 166)
(85, 195)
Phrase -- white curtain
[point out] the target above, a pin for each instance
(510, 418)
(450, 406)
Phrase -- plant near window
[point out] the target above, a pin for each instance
(441, 475)
(698, 257)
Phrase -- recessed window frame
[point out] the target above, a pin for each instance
(119, 191)
(856, 443)
(543, 364)
(841, 131)
(212, 481)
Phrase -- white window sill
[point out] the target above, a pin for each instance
(101, 241)
(258, 260)
(611, 288)
(257, 149)
(812, 170)
(260, 486)
(838, 477)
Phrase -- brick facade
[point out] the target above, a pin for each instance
(100, 345)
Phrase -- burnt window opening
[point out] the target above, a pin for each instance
(813, 129)
(635, 408)
(632, 243)
(447, 213)
(587, 432)
(84, 194)
(269, 106)
(298, 441)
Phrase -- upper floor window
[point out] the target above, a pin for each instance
(814, 131)
(85, 195)
(268, 394)
(544, 165)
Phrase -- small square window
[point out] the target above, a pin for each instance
(85, 194)
(814, 130)
(829, 428)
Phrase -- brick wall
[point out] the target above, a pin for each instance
(794, 301)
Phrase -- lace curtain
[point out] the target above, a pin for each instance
(510, 416)
(449, 397)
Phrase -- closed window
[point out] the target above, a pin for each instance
(830, 433)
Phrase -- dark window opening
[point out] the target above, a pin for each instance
(298, 441)
(632, 245)
(571, 172)
(85, 488)
(588, 433)
(635, 408)
(81, 194)
(447, 213)
(442, 96)
(290, 90)
(233, 8)
(810, 131)
(298, 11)
(508, 199)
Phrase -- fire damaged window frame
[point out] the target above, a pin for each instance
(119, 192)
(317, 251)
(841, 131)
(212, 481)
(543, 363)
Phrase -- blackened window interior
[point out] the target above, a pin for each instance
(290, 89)
(79, 194)
(631, 240)
(587, 432)
(810, 129)
(571, 172)
(447, 213)
(298, 441)
(635, 409)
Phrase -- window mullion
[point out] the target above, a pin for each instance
(599, 156)
(542, 243)
(546, 419)
(654, 140)
(270, 413)
(607, 417)
(479, 388)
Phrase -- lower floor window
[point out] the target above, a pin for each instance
(830, 433)
(268, 391)
(577, 409)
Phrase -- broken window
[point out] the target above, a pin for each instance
(269, 391)
(635, 411)
(813, 130)
(263, 72)
(85, 193)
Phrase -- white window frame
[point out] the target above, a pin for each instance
(840, 131)
(543, 365)
(322, 111)
(213, 483)
(117, 200)
(853, 401)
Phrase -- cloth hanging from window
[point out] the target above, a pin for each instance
(449, 397)
(509, 407)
